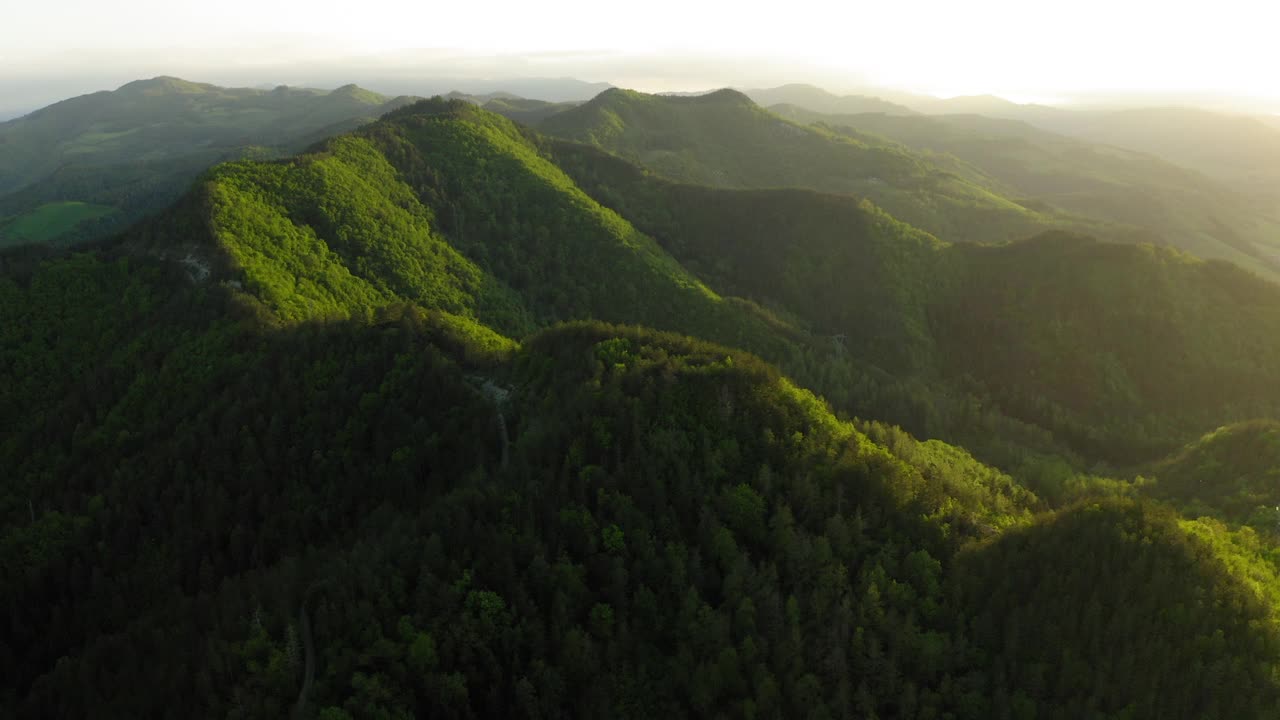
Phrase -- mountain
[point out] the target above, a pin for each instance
(1238, 150)
(723, 139)
(819, 100)
(1158, 200)
(374, 430)
(1235, 149)
(522, 110)
(425, 83)
(556, 90)
(1058, 331)
(526, 111)
(272, 298)
(991, 106)
(133, 150)
(1159, 592)
(1232, 472)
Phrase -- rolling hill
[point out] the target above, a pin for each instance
(137, 148)
(1163, 595)
(819, 100)
(1078, 337)
(276, 287)
(1232, 473)
(1156, 200)
(1237, 150)
(723, 139)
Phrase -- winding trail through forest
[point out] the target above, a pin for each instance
(309, 648)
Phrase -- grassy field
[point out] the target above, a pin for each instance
(51, 220)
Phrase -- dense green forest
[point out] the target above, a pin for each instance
(723, 139)
(1081, 338)
(449, 418)
(133, 151)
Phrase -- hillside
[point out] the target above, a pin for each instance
(1079, 338)
(818, 100)
(1156, 200)
(318, 440)
(1237, 150)
(1165, 597)
(637, 478)
(722, 139)
(525, 111)
(1240, 151)
(1232, 472)
(136, 148)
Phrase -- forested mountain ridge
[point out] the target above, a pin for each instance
(663, 522)
(91, 165)
(164, 116)
(1156, 200)
(819, 100)
(723, 139)
(526, 111)
(1232, 473)
(319, 420)
(518, 245)
(1238, 150)
(1059, 331)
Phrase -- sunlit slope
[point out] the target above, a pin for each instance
(253, 457)
(1232, 472)
(1147, 197)
(1115, 609)
(1122, 352)
(137, 148)
(165, 117)
(724, 140)
(1128, 351)
(843, 265)
(447, 206)
(289, 418)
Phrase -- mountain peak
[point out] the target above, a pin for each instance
(358, 94)
(723, 96)
(163, 85)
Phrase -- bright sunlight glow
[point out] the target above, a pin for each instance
(1016, 48)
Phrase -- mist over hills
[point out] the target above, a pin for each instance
(89, 166)
(724, 139)
(1162, 201)
(491, 406)
(819, 100)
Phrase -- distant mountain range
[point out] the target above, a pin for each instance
(723, 139)
(1162, 201)
(819, 100)
(89, 166)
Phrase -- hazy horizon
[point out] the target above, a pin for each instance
(1095, 53)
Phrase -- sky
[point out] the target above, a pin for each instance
(1025, 50)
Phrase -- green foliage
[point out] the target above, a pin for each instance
(989, 346)
(275, 450)
(1130, 353)
(722, 139)
(135, 149)
(1232, 472)
(52, 220)
(1112, 609)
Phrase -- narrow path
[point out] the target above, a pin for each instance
(309, 648)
